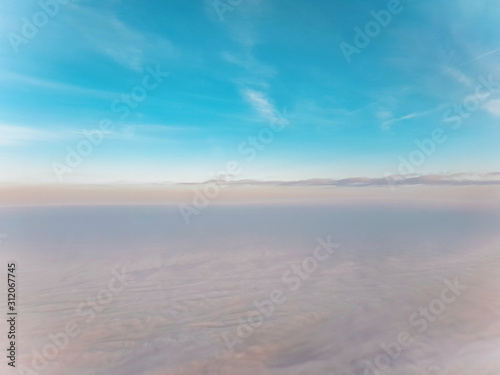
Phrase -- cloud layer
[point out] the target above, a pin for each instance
(188, 287)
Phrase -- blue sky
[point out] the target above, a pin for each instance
(229, 79)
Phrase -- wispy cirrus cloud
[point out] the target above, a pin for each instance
(460, 76)
(260, 103)
(12, 135)
(493, 107)
(386, 125)
(28, 80)
(119, 41)
(480, 56)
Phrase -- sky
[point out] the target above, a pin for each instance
(288, 90)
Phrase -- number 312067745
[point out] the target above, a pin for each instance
(11, 282)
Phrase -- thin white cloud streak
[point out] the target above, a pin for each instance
(493, 107)
(481, 56)
(12, 135)
(387, 124)
(261, 104)
(54, 85)
(146, 132)
(459, 76)
(116, 40)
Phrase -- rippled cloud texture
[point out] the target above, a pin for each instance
(150, 295)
